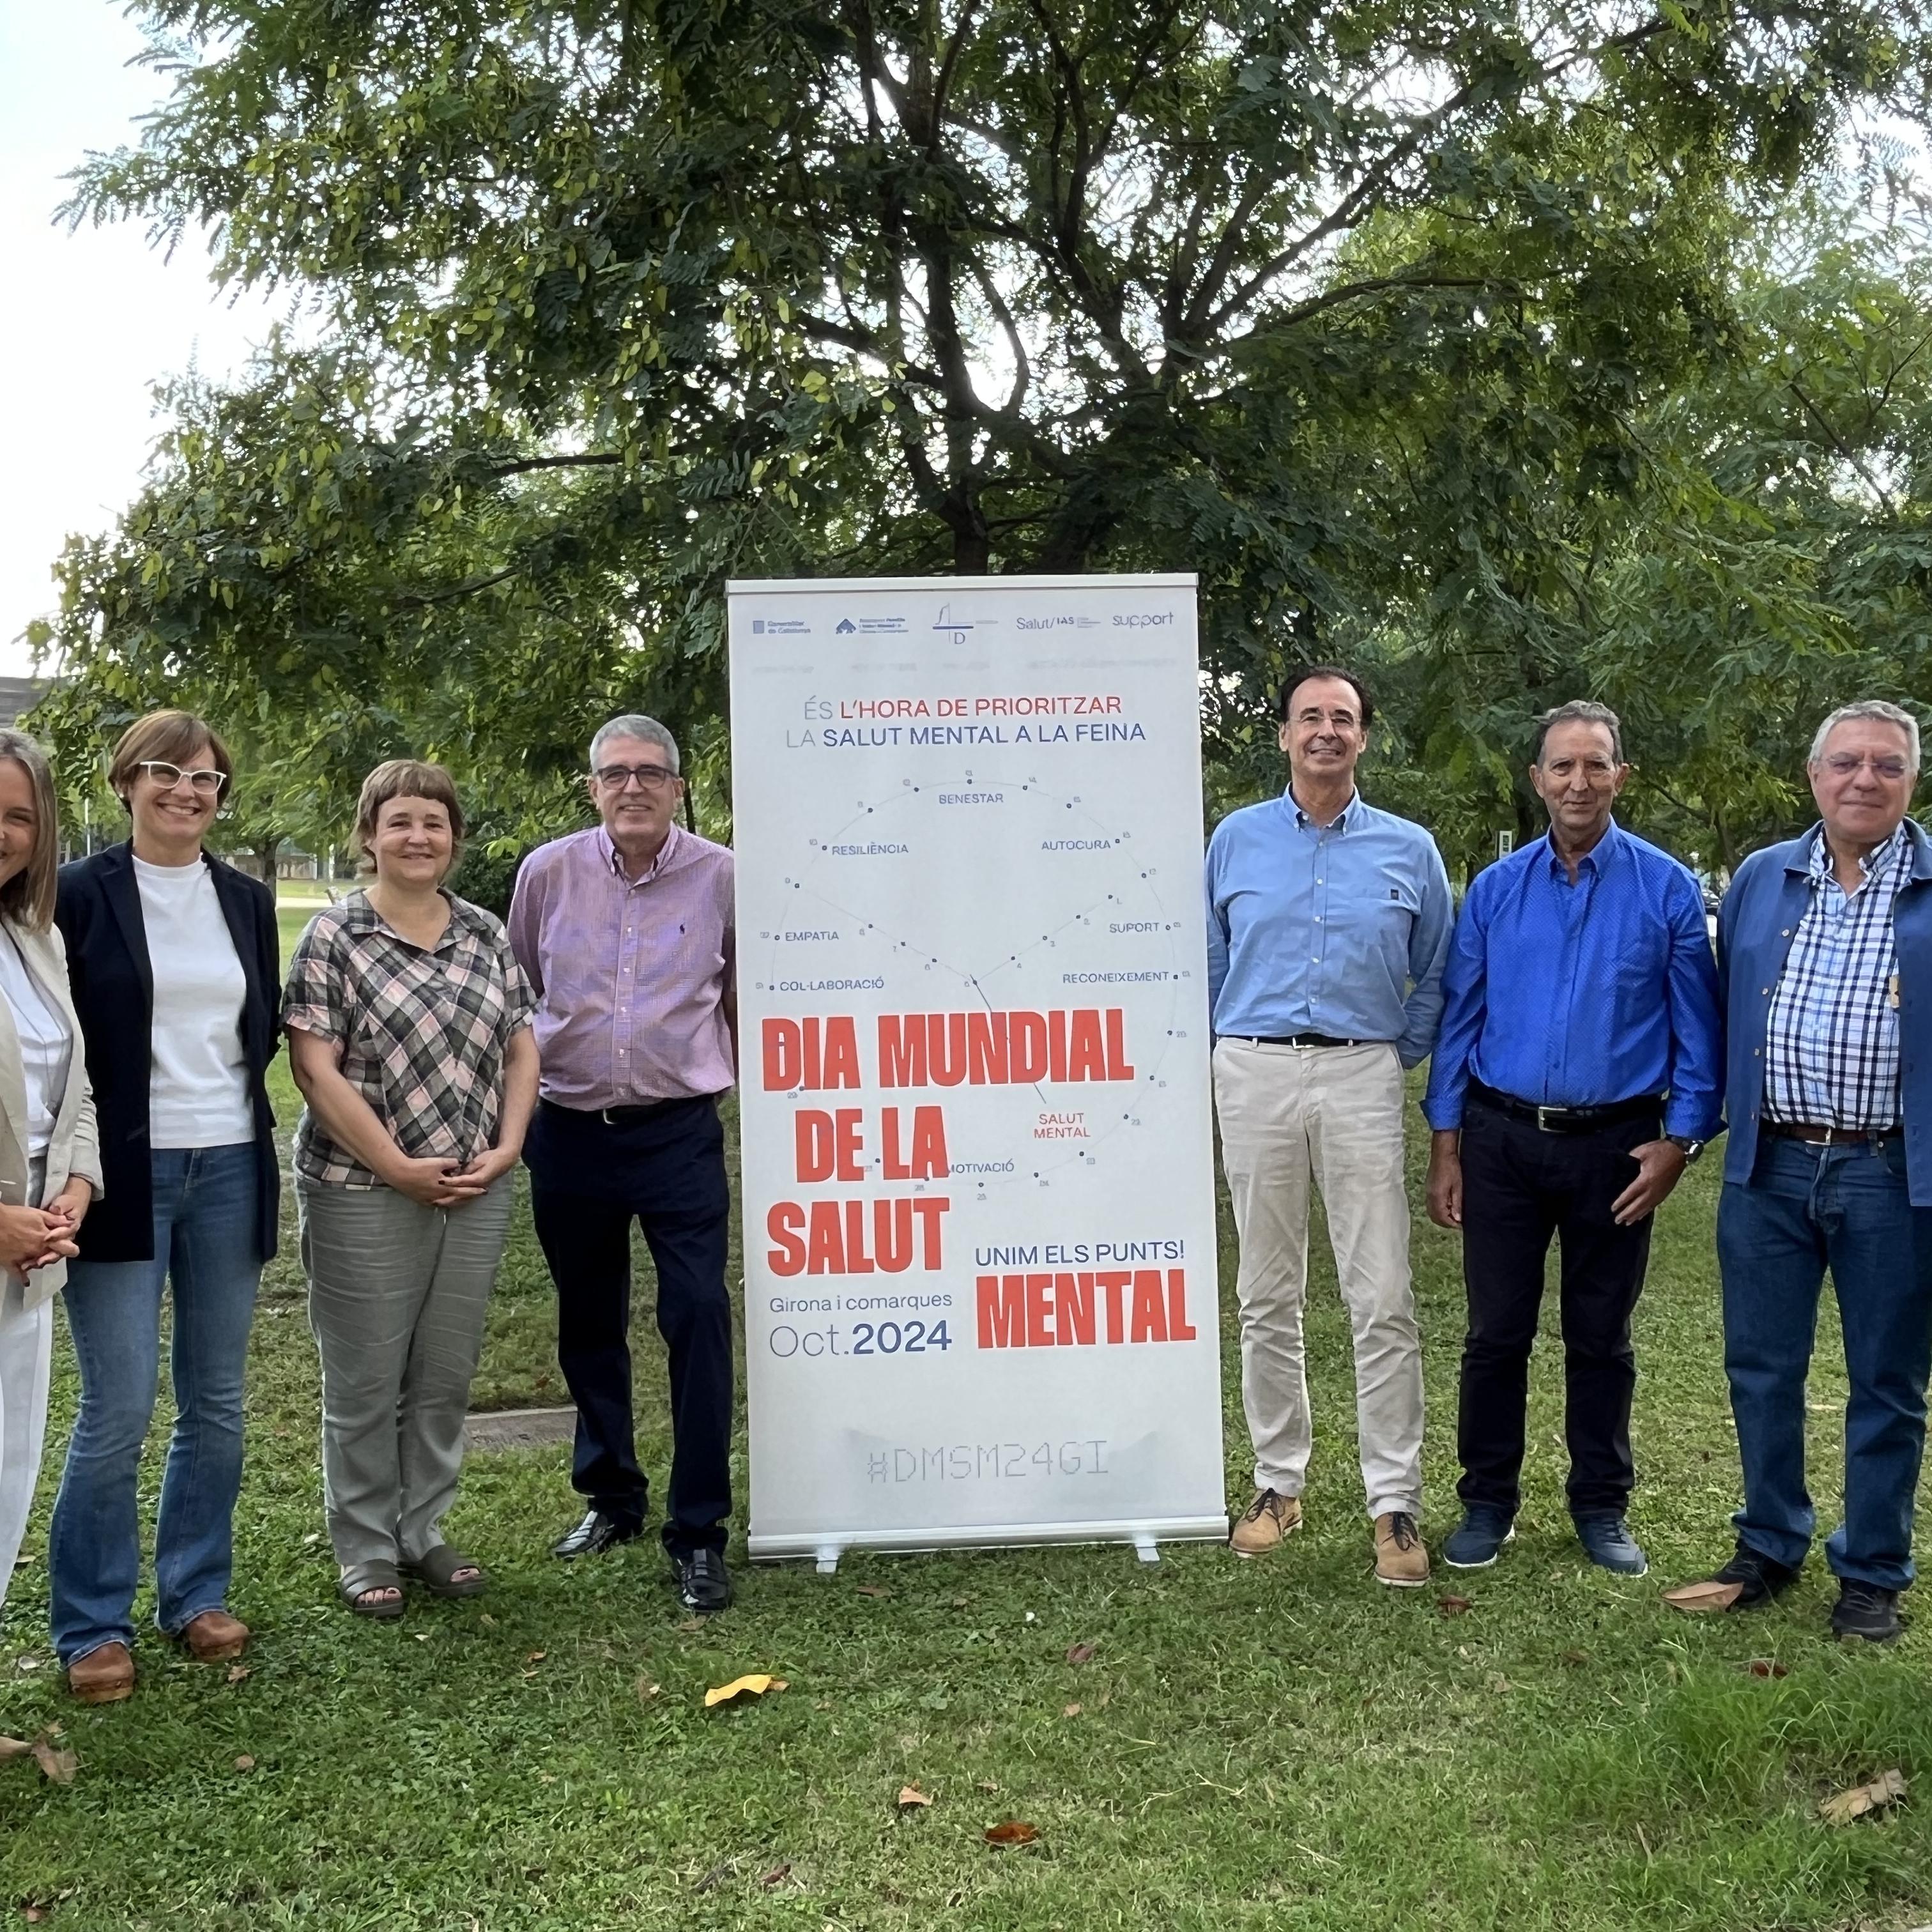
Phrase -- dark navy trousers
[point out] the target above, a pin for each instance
(590, 1177)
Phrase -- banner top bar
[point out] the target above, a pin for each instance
(737, 586)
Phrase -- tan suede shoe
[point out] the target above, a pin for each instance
(103, 1676)
(1266, 1520)
(1400, 1559)
(215, 1636)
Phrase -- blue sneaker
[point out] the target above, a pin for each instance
(1476, 1541)
(1607, 1542)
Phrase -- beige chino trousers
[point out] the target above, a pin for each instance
(1332, 1115)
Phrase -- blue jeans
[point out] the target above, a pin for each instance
(205, 1239)
(1806, 1208)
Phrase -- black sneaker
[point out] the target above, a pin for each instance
(595, 1534)
(1750, 1579)
(1476, 1542)
(1608, 1544)
(704, 1583)
(1865, 1610)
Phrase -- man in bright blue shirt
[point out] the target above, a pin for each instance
(1327, 921)
(1577, 1072)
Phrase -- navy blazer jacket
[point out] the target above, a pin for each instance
(98, 911)
(1755, 924)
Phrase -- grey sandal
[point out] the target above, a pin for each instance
(359, 1579)
(436, 1571)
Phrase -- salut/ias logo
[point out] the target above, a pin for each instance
(953, 629)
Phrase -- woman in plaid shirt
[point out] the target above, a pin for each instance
(408, 1024)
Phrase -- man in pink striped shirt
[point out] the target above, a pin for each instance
(627, 932)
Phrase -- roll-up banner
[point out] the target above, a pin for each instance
(978, 1193)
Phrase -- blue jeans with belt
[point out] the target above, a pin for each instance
(205, 1239)
(1808, 1207)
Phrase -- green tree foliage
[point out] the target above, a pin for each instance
(1375, 314)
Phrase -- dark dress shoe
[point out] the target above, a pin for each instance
(1865, 1610)
(704, 1583)
(1748, 1581)
(595, 1534)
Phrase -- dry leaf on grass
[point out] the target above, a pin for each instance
(754, 1686)
(1765, 1667)
(911, 1799)
(1575, 1659)
(245, 1763)
(14, 1747)
(1011, 1831)
(239, 1673)
(871, 1590)
(1081, 1653)
(777, 1875)
(987, 1784)
(59, 1765)
(690, 1626)
(1071, 1711)
(536, 1656)
(1452, 1606)
(647, 1689)
(1887, 1788)
(1696, 1599)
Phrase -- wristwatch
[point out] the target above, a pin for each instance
(1686, 1146)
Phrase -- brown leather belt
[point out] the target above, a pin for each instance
(1821, 1136)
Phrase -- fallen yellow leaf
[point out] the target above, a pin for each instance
(754, 1686)
(1887, 1788)
(245, 1763)
(1071, 1711)
(59, 1765)
(910, 1797)
(239, 1673)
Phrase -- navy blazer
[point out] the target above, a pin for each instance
(1755, 924)
(99, 914)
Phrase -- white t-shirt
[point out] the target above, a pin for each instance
(198, 1085)
(47, 1046)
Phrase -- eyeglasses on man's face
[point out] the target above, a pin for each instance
(1843, 764)
(619, 778)
(204, 779)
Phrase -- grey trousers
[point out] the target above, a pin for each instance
(396, 1293)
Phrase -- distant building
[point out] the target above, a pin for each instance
(21, 693)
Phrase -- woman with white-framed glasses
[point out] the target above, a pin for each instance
(172, 958)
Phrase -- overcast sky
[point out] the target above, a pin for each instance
(93, 319)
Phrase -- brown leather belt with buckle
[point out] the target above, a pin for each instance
(1816, 1135)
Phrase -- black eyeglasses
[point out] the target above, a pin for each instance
(208, 782)
(651, 777)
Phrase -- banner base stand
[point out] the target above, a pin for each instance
(824, 1551)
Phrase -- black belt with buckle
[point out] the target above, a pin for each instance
(1568, 1119)
(1302, 1040)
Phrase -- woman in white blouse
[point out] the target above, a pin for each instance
(50, 1160)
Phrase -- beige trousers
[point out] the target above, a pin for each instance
(1332, 1114)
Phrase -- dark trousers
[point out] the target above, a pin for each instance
(1808, 1208)
(589, 1178)
(1520, 1185)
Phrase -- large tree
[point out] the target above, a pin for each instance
(1367, 311)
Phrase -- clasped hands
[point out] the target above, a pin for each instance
(34, 1237)
(437, 1181)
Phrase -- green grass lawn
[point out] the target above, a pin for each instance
(1277, 1743)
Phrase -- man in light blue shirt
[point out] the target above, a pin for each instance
(1328, 922)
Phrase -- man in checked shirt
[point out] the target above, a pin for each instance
(1823, 948)
(627, 932)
